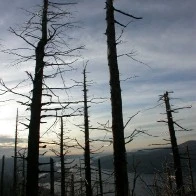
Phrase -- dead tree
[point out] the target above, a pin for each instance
(86, 129)
(87, 141)
(120, 162)
(43, 34)
(34, 126)
(175, 150)
(15, 158)
(2, 175)
(62, 158)
(61, 154)
(64, 144)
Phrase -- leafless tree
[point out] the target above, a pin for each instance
(87, 140)
(120, 162)
(86, 127)
(45, 37)
(175, 150)
(15, 158)
(64, 146)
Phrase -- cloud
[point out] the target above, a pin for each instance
(6, 139)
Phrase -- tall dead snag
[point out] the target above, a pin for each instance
(15, 157)
(34, 126)
(86, 129)
(120, 162)
(176, 155)
(62, 158)
(87, 142)
(64, 145)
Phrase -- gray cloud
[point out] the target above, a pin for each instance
(6, 139)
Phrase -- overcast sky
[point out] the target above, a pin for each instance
(164, 40)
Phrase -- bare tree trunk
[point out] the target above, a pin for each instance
(87, 145)
(51, 177)
(120, 162)
(2, 176)
(34, 126)
(62, 161)
(176, 155)
(15, 158)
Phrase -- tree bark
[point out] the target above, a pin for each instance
(120, 162)
(34, 126)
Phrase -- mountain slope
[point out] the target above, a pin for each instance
(148, 161)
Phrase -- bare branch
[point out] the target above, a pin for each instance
(126, 14)
(182, 127)
(22, 37)
(130, 118)
(122, 25)
(181, 108)
(11, 90)
(79, 144)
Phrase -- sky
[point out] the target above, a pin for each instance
(164, 41)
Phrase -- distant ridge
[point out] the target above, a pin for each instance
(148, 160)
(151, 160)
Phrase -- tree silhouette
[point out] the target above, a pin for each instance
(120, 162)
(43, 34)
